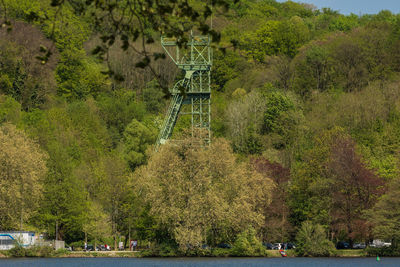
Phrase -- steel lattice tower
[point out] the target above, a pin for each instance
(191, 96)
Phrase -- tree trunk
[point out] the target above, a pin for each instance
(21, 218)
(115, 243)
(56, 238)
(22, 205)
(129, 236)
(126, 240)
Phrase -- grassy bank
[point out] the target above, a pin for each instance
(277, 254)
(46, 252)
(99, 254)
(62, 253)
(338, 253)
(351, 253)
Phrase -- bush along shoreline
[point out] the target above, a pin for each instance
(311, 241)
(385, 252)
(165, 252)
(34, 251)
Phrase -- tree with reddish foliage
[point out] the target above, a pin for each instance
(333, 187)
(355, 189)
(276, 227)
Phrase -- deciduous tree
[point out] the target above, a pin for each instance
(355, 189)
(22, 169)
(137, 138)
(276, 227)
(385, 215)
(202, 192)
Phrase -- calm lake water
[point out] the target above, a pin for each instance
(231, 262)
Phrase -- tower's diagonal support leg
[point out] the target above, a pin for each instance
(170, 119)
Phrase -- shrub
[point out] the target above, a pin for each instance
(203, 252)
(39, 251)
(77, 245)
(32, 252)
(312, 241)
(46, 251)
(221, 252)
(17, 251)
(145, 253)
(247, 244)
(386, 251)
(168, 250)
(165, 253)
(61, 251)
(162, 250)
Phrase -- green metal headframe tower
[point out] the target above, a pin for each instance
(191, 96)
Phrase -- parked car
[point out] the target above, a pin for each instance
(267, 245)
(102, 248)
(205, 246)
(224, 245)
(387, 244)
(342, 245)
(379, 244)
(289, 246)
(359, 246)
(276, 246)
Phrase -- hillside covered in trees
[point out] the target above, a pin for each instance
(305, 126)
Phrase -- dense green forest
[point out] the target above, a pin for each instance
(305, 125)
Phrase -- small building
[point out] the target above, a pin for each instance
(8, 239)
